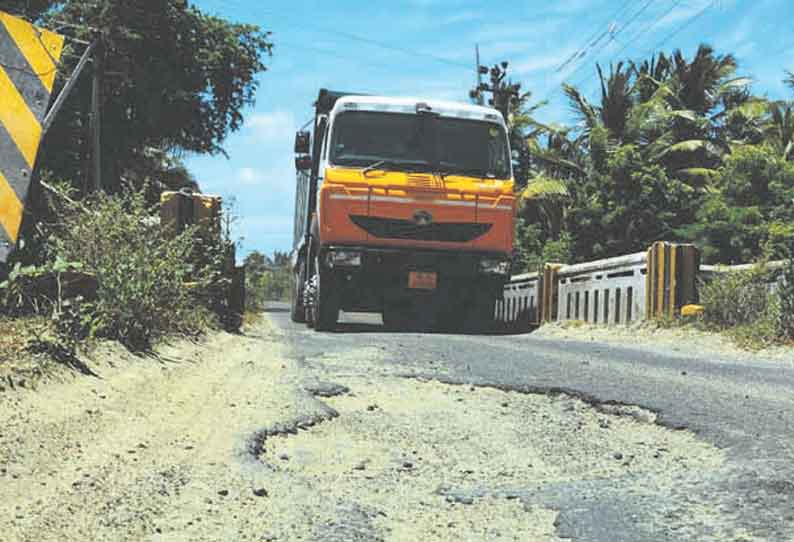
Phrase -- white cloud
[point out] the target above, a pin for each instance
(249, 175)
(461, 17)
(542, 62)
(272, 126)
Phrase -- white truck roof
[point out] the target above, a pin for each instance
(393, 104)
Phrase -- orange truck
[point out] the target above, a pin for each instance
(405, 207)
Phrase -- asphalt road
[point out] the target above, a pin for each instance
(743, 408)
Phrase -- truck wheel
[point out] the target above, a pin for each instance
(480, 317)
(297, 309)
(397, 317)
(326, 301)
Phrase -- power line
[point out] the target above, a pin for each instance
(331, 53)
(686, 24)
(676, 3)
(612, 38)
(617, 32)
(616, 15)
(636, 36)
(361, 39)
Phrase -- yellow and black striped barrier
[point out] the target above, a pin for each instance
(548, 293)
(29, 61)
(671, 281)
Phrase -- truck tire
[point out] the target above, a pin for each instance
(397, 317)
(297, 311)
(326, 301)
(480, 316)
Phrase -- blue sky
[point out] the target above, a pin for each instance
(426, 48)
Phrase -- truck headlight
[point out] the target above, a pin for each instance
(493, 266)
(343, 258)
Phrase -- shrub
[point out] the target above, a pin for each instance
(148, 280)
(736, 298)
(741, 303)
(786, 296)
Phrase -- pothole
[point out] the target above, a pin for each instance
(442, 461)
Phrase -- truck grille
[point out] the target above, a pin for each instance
(423, 180)
(391, 228)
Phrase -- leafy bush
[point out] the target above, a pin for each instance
(741, 303)
(736, 298)
(33, 289)
(786, 296)
(148, 280)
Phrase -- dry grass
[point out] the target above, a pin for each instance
(14, 337)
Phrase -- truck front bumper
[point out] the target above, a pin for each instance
(368, 276)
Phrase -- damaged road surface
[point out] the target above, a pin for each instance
(361, 435)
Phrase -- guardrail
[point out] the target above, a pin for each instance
(775, 268)
(604, 291)
(612, 291)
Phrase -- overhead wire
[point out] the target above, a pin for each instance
(354, 37)
(583, 65)
(685, 25)
(636, 15)
(648, 28)
(616, 15)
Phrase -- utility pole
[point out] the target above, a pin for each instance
(476, 94)
(503, 94)
(96, 118)
(477, 67)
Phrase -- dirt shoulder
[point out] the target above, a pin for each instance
(236, 438)
(144, 448)
(683, 341)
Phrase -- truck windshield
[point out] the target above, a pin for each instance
(402, 141)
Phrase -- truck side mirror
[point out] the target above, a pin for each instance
(302, 143)
(303, 162)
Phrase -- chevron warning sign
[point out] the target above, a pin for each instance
(29, 60)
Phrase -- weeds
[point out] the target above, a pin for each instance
(785, 293)
(148, 282)
(742, 304)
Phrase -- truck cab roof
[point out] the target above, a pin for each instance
(335, 102)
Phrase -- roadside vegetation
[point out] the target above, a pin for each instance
(671, 148)
(108, 269)
(267, 279)
(98, 264)
(754, 307)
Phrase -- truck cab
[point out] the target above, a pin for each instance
(405, 207)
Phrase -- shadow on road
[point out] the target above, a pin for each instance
(273, 309)
(357, 327)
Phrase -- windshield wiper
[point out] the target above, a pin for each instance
(372, 166)
(468, 172)
(395, 165)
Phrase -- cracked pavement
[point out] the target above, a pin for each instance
(283, 433)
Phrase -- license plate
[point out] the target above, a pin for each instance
(420, 280)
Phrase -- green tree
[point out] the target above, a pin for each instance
(780, 128)
(750, 213)
(29, 9)
(176, 80)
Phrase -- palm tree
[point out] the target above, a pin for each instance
(617, 99)
(780, 128)
(700, 84)
(650, 75)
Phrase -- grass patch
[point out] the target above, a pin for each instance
(742, 305)
(15, 335)
(149, 282)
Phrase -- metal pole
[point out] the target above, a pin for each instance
(96, 120)
(479, 75)
(67, 89)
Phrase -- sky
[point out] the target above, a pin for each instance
(426, 48)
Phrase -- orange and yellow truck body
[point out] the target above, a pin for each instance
(391, 189)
